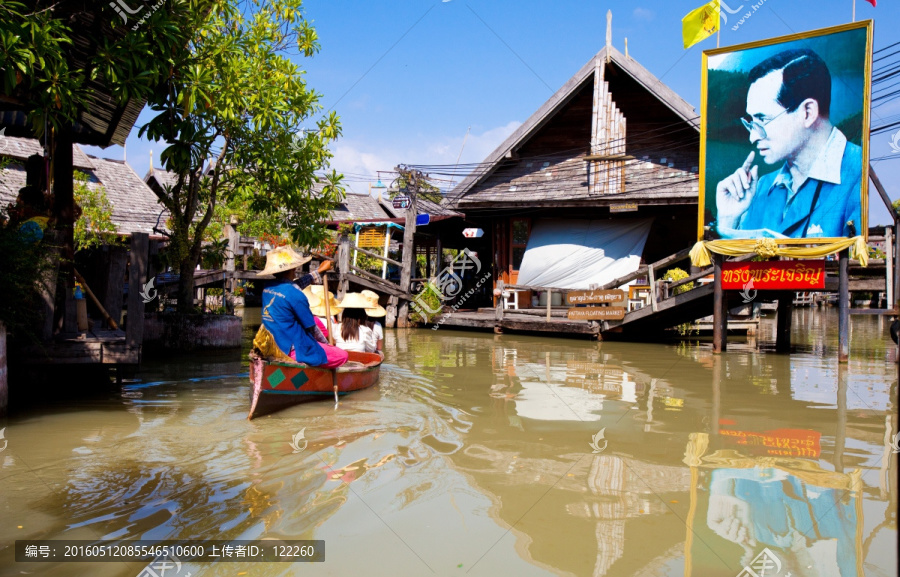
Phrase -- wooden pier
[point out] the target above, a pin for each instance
(103, 344)
(666, 308)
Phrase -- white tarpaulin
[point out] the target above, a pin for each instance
(575, 254)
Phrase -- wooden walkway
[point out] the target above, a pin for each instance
(524, 321)
(665, 311)
(103, 347)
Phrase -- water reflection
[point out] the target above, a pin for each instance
(475, 454)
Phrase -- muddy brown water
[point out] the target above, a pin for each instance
(488, 455)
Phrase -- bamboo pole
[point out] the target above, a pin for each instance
(387, 246)
(87, 289)
(330, 334)
(844, 307)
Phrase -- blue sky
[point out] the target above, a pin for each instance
(408, 77)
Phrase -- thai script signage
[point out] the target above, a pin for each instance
(774, 275)
(593, 297)
(625, 207)
(780, 442)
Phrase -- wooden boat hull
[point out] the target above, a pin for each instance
(275, 385)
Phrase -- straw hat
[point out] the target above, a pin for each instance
(360, 301)
(375, 310)
(281, 259)
(314, 294)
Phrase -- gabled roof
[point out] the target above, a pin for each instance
(353, 207)
(572, 88)
(22, 148)
(135, 207)
(160, 177)
(359, 207)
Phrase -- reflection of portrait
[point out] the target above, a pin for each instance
(811, 528)
(800, 105)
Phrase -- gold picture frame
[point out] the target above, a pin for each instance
(703, 221)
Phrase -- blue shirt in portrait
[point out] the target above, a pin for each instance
(286, 316)
(778, 210)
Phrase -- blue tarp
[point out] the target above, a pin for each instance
(360, 225)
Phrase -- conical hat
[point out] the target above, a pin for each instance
(314, 294)
(281, 259)
(359, 301)
(375, 309)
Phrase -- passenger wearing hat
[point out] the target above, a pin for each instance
(289, 330)
(353, 334)
(316, 297)
(373, 313)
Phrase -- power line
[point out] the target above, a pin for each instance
(886, 47)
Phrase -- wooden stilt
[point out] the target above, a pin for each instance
(720, 309)
(48, 285)
(498, 309)
(783, 327)
(115, 278)
(409, 248)
(390, 318)
(840, 426)
(844, 307)
(716, 408)
(4, 378)
(64, 205)
(134, 330)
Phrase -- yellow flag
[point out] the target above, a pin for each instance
(700, 23)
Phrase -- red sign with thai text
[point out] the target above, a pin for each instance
(778, 443)
(778, 275)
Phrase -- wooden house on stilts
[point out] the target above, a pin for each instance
(599, 180)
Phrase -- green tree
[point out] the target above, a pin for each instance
(41, 73)
(230, 110)
(95, 225)
(427, 190)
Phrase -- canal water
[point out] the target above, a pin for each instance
(489, 455)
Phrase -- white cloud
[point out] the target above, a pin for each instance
(643, 14)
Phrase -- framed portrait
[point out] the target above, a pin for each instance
(784, 137)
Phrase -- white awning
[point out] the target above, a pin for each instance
(575, 254)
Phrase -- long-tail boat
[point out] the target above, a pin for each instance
(275, 385)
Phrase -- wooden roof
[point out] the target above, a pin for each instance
(543, 162)
(135, 206)
(358, 207)
(104, 120)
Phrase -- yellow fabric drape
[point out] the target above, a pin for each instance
(264, 342)
(769, 247)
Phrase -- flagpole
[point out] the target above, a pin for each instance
(719, 30)
(854, 11)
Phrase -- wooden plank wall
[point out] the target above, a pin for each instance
(607, 138)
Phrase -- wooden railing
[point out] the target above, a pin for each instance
(643, 271)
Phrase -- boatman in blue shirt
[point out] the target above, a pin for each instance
(289, 331)
(816, 193)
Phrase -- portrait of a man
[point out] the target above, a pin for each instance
(790, 162)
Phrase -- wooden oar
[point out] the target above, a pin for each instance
(330, 334)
